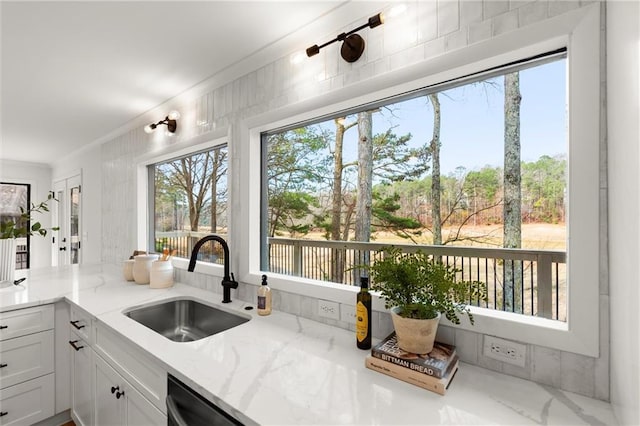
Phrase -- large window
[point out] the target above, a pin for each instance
(474, 170)
(188, 201)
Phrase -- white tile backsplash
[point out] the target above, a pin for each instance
(577, 373)
(545, 363)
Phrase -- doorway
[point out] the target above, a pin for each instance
(67, 246)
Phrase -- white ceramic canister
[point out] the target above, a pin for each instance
(142, 267)
(127, 269)
(161, 275)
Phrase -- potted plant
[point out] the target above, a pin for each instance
(21, 227)
(418, 288)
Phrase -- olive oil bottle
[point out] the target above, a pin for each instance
(363, 315)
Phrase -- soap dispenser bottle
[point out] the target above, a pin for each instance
(264, 297)
(363, 315)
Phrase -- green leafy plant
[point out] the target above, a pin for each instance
(421, 285)
(23, 226)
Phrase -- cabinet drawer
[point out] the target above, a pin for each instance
(81, 324)
(134, 365)
(25, 358)
(28, 402)
(25, 321)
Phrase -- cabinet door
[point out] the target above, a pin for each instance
(142, 412)
(81, 381)
(109, 401)
(28, 402)
(25, 358)
(25, 321)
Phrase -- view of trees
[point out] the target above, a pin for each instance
(365, 174)
(433, 169)
(190, 197)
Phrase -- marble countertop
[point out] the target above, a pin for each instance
(283, 369)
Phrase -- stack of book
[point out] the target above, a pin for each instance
(433, 371)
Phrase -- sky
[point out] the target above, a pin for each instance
(472, 127)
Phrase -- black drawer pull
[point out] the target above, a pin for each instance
(3, 365)
(3, 413)
(119, 394)
(114, 389)
(75, 324)
(2, 327)
(74, 346)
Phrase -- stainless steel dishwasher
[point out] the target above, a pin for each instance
(185, 407)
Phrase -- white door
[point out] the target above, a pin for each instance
(82, 385)
(67, 243)
(109, 392)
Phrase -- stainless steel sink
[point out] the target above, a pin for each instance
(184, 320)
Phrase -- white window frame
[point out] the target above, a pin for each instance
(579, 32)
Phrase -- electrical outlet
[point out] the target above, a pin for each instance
(348, 314)
(505, 350)
(329, 309)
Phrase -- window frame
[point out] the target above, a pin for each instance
(577, 31)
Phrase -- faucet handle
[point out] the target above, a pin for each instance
(232, 277)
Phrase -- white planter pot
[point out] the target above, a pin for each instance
(415, 335)
(7, 259)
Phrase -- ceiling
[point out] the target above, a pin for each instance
(73, 72)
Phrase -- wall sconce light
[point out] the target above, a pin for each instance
(170, 120)
(352, 44)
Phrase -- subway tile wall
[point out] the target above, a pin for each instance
(442, 26)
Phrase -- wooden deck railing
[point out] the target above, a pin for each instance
(537, 277)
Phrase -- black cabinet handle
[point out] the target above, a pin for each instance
(75, 324)
(3, 365)
(63, 249)
(74, 346)
(116, 390)
(2, 327)
(3, 413)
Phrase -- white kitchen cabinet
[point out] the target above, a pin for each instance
(117, 402)
(27, 379)
(138, 368)
(82, 359)
(28, 402)
(25, 358)
(81, 381)
(25, 321)
(81, 323)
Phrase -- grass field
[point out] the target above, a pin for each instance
(540, 236)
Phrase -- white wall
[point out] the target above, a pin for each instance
(39, 176)
(623, 45)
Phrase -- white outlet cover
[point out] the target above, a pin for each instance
(505, 350)
(327, 309)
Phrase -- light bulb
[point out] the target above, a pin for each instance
(297, 58)
(397, 10)
(174, 115)
(148, 128)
